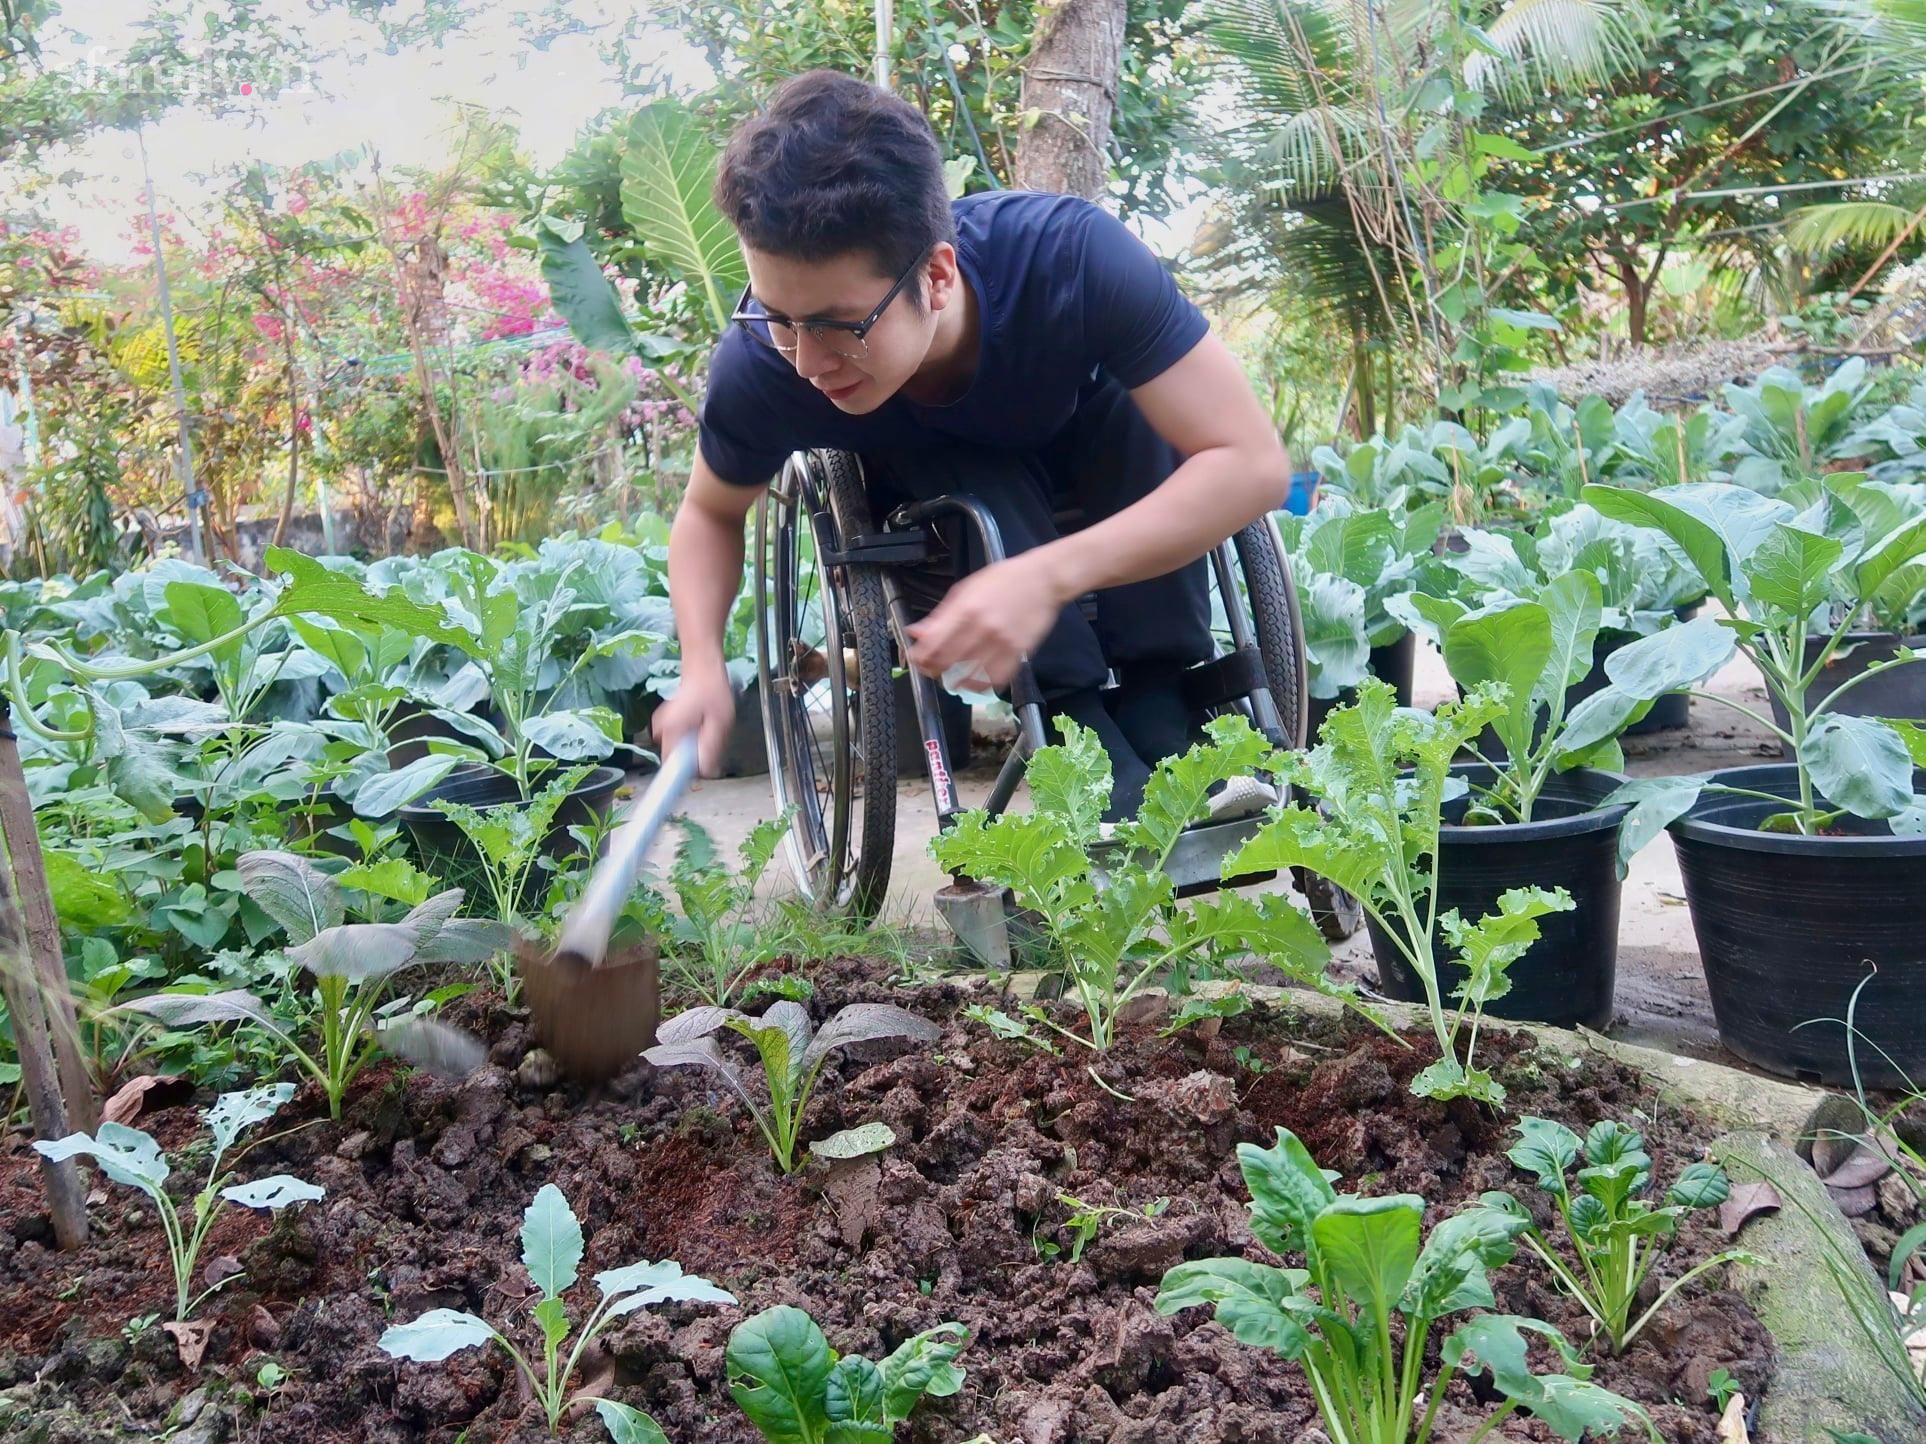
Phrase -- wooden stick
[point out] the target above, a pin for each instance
(66, 1194)
(41, 935)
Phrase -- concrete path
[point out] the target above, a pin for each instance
(1662, 1001)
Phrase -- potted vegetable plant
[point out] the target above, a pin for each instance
(1887, 625)
(1643, 587)
(1802, 877)
(1533, 809)
(528, 650)
(1353, 564)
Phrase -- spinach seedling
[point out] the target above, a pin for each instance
(352, 965)
(792, 1053)
(1365, 1273)
(1112, 905)
(797, 1390)
(1616, 1235)
(131, 1157)
(1381, 774)
(552, 1250)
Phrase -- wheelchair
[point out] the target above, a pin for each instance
(833, 593)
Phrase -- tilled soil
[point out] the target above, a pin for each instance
(427, 1180)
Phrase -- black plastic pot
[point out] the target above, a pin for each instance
(444, 851)
(1568, 975)
(955, 715)
(1788, 926)
(1898, 693)
(1394, 662)
(747, 754)
(412, 730)
(1671, 713)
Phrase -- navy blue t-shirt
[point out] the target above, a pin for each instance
(1063, 289)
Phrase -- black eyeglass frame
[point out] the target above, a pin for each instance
(743, 316)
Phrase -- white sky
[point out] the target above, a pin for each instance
(401, 104)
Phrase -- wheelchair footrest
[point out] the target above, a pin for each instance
(1196, 863)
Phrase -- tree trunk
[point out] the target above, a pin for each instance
(294, 432)
(1638, 296)
(1069, 97)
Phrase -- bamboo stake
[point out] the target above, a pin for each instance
(41, 929)
(66, 1194)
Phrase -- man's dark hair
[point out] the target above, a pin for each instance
(832, 166)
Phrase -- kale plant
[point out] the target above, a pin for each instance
(1381, 775)
(1110, 904)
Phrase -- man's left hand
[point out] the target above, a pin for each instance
(991, 619)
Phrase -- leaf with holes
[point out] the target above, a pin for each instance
(293, 891)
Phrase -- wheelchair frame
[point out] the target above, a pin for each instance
(862, 568)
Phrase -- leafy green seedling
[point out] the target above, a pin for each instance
(1087, 1219)
(1112, 906)
(1616, 1235)
(1536, 647)
(1720, 1386)
(352, 965)
(1779, 571)
(792, 1053)
(1365, 1273)
(1012, 1030)
(129, 1156)
(1382, 774)
(720, 940)
(508, 840)
(797, 1390)
(552, 1253)
(1198, 1009)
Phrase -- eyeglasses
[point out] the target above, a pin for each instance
(845, 338)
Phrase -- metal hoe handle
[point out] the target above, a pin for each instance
(585, 932)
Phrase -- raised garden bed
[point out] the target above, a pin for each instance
(427, 1180)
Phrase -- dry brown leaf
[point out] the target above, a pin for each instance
(190, 1341)
(1865, 1162)
(1732, 1428)
(1746, 1200)
(855, 1189)
(1855, 1202)
(131, 1097)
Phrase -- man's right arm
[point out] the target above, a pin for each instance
(705, 573)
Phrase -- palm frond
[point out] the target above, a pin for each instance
(1290, 55)
(1311, 149)
(1846, 225)
(1559, 44)
(1903, 17)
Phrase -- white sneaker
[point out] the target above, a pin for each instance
(1241, 797)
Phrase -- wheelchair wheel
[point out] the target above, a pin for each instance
(1279, 626)
(823, 660)
(1280, 633)
(1337, 914)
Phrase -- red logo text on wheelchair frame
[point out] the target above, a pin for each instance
(939, 774)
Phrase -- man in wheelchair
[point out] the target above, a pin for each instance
(1023, 348)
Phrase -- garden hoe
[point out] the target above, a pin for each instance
(593, 1010)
